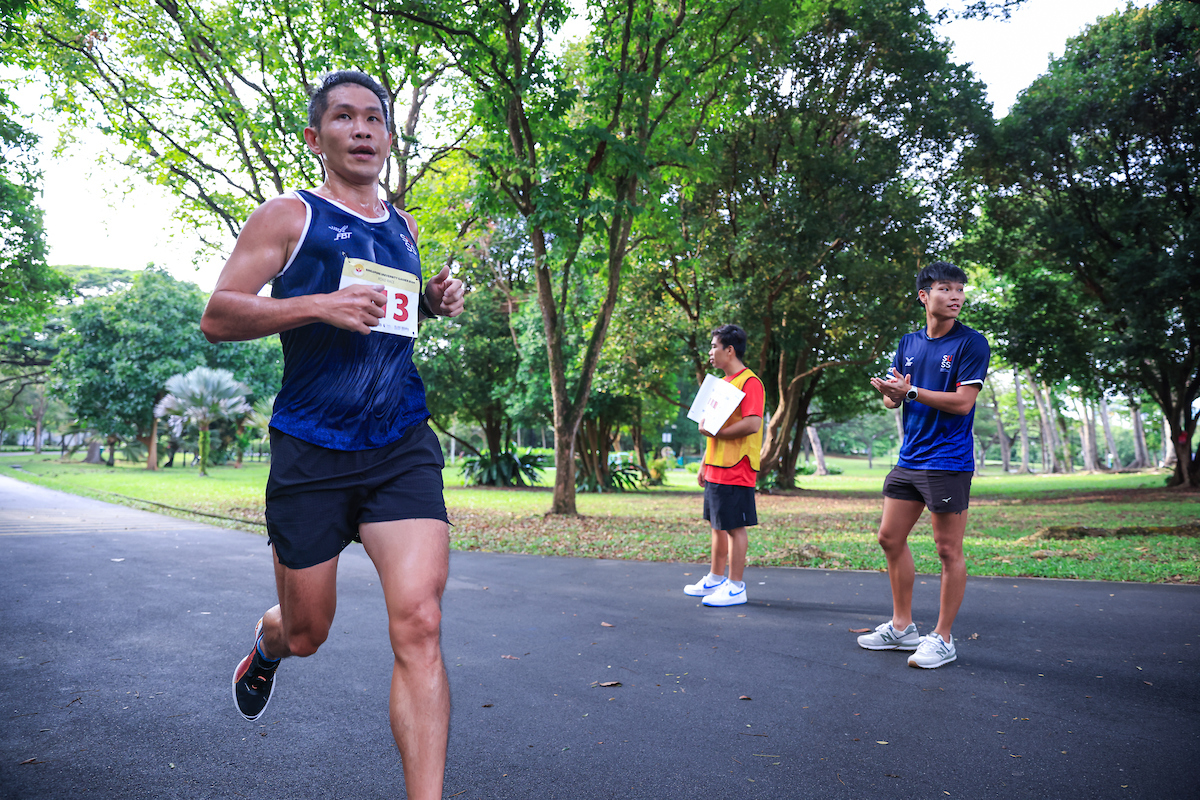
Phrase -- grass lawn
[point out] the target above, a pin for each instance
(830, 523)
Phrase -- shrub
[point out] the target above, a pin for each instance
(658, 471)
(506, 468)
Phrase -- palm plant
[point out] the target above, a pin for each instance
(204, 396)
(254, 419)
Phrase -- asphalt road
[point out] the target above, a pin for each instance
(120, 630)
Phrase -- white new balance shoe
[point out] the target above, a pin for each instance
(934, 651)
(886, 637)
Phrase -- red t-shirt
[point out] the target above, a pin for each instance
(741, 473)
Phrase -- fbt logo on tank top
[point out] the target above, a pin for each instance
(947, 361)
(342, 232)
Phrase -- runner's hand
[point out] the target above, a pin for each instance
(355, 308)
(446, 295)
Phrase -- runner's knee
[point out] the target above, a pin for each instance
(305, 641)
(418, 624)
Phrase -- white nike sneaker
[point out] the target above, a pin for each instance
(704, 587)
(727, 594)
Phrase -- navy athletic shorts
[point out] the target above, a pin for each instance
(941, 491)
(727, 507)
(317, 497)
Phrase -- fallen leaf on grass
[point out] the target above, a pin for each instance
(860, 630)
(514, 658)
(607, 625)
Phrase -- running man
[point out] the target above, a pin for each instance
(729, 473)
(936, 375)
(352, 455)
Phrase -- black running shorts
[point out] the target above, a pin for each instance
(317, 497)
(942, 492)
(727, 507)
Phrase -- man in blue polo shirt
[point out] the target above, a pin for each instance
(936, 375)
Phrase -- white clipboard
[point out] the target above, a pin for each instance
(714, 403)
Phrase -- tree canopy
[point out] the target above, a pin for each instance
(1096, 219)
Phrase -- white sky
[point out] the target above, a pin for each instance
(108, 217)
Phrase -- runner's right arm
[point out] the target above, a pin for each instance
(236, 311)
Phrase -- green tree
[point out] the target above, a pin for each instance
(122, 347)
(204, 396)
(1096, 174)
(28, 287)
(571, 145)
(239, 71)
(824, 200)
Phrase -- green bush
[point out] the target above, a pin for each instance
(658, 471)
(621, 478)
(507, 468)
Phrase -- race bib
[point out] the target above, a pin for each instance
(403, 288)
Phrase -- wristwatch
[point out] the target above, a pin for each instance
(911, 394)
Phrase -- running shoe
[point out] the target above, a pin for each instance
(887, 637)
(727, 594)
(703, 588)
(253, 680)
(934, 651)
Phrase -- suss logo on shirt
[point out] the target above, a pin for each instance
(947, 360)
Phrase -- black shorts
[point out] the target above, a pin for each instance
(317, 497)
(942, 492)
(727, 507)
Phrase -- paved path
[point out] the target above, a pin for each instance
(120, 630)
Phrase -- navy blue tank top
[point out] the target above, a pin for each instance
(343, 390)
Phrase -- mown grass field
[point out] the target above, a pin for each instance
(830, 523)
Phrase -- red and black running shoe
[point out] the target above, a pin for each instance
(253, 680)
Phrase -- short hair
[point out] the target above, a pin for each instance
(939, 271)
(318, 98)
(731, 336)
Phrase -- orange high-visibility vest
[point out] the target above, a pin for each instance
(729, 452)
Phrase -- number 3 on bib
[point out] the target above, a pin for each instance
(401, 287)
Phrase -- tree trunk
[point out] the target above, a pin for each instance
(639, 446)
(1062, 433)
(1005, 439)
(202, 449)
(1046, 431)
(818, 451)
(1023, 429)
(93, 453)
(1169, 457)
(786, 469)
(871, 454)
(151, 443)
(112, 451)
(1109, 440)
(1087, 436)
(1141, 453)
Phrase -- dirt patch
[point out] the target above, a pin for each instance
(1072, 532)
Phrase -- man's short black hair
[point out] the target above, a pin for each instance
(939, 271)
(318, 98)
(731, 336)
